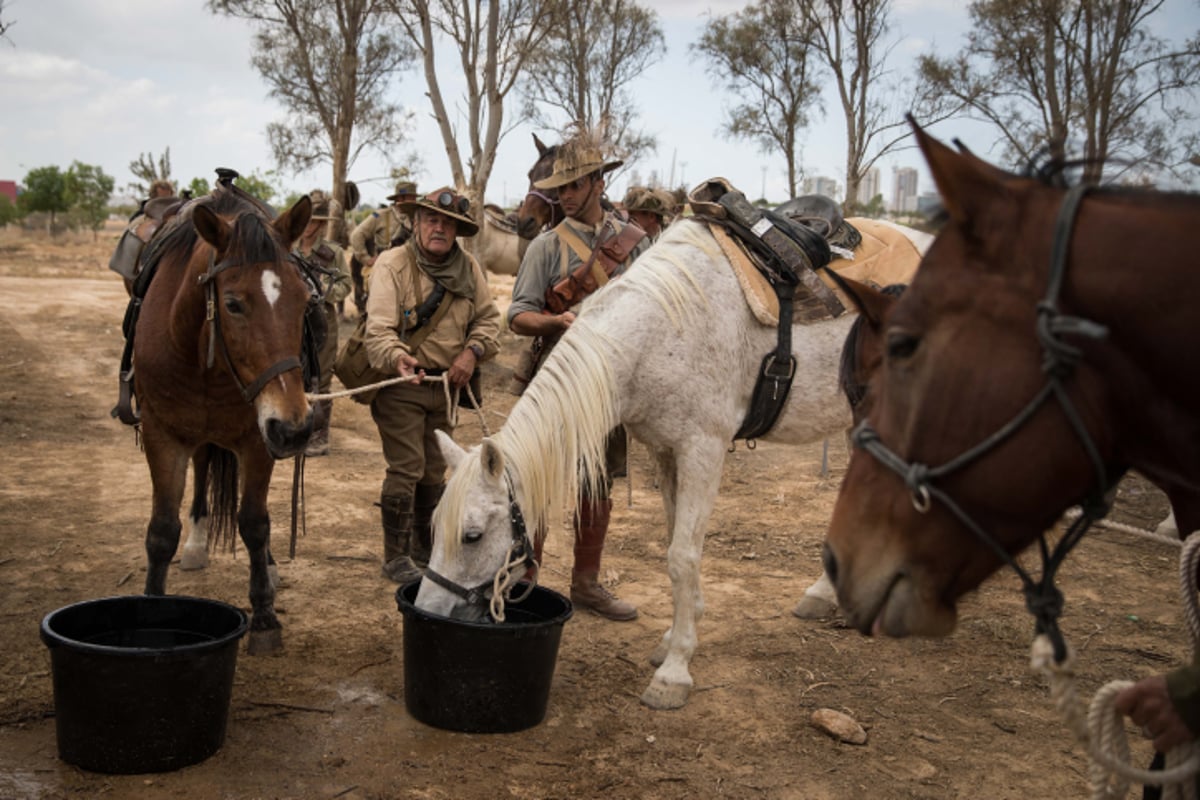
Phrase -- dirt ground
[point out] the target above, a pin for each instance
(957, 718)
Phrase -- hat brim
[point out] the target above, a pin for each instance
(575, 173)
(467, 227)
(395, 198)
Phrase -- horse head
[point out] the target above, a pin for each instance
(256, 301)
(964, 458)
(540, 207)
(478, 533)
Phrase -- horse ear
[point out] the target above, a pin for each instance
(492, 459)
(541, 147)
(872, 303)
(211, 228)
(450, 450)
(967, 184)
(291, 223)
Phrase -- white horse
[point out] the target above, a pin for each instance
(497, 244)
(671, 351)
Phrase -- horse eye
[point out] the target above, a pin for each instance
(234, 306)
(472, 537)
(901, 344)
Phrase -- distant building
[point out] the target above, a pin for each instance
(928, 203)
(9, 190)
(869, 186)
(904, 190)
(820, 185)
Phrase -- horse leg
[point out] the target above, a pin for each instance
(696, 480)
(195, 549)
(168, 476)
(664, 481)
(254, 525)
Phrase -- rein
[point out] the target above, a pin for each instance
(1042, 598)
(495, 593)
(208, 281)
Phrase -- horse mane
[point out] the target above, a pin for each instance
(855, 390)
(252, 238)
(553, 441)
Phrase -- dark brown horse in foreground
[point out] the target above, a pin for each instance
(1046, 345)
(217, 374)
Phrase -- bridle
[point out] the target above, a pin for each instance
(490, 594)
(208, 281)
(552, 202)
(1043, 599)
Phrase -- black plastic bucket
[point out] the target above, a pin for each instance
(481, 677)
(142, 684)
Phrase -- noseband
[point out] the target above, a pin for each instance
(208, 281)
(520, 554)
(1043, 599)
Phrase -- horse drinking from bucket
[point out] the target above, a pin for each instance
(670, 350)
(1025, 370)
(217, 374)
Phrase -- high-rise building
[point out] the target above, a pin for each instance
(869, 186)
(820, 185)
(904, 190)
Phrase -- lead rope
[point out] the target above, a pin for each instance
(451, 397)
(1101, 728)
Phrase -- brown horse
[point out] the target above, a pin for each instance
(217, 375)
(1025, 370)
(539, 209)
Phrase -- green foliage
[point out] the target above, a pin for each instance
(8, 211)
(199, 187)
(45, 190)
(875, 209)
(88, 190)
(262, 185)
(147, 171)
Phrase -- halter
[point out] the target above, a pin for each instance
(1042, 598)
(208, 281)
(520, 553)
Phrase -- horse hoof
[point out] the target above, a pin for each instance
(263, 643)
(193, 558)
(666, 696)
(811, 607)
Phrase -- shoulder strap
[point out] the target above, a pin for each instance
(567, 236)
(419, 335)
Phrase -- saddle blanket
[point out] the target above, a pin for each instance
(886, 256)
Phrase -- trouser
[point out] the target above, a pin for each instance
(328, 349)
(407, 416)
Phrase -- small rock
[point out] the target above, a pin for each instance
(838, 725)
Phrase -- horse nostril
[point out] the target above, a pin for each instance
(829, 561)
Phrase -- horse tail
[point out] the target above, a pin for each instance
(222, 495)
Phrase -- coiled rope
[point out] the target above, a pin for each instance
(1100, 728)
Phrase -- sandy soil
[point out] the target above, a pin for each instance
(961, 717)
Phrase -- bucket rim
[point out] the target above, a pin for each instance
(52, 638)
(407, 607)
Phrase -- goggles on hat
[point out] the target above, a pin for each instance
(453, 202)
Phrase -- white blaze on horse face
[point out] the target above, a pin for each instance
(272, 286)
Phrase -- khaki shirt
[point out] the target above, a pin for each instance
(399, 285)
(334, 288)
(381, 227)
(542, 266)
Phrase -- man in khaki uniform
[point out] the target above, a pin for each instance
(383, 229)
(334, 275)
(579, 178)
(429, 312)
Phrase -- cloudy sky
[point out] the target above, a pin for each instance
(104, 81)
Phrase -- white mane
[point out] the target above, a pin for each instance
(554, 437)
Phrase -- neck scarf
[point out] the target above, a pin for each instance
(454, 271)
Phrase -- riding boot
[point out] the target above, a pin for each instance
(318, 442)
(424, 502)
(397, 513)
(591, 526)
